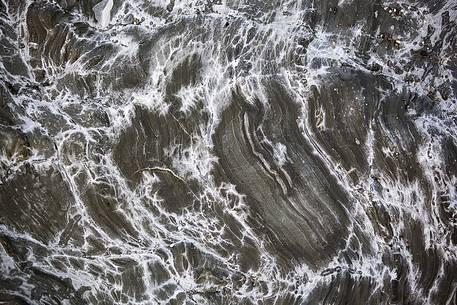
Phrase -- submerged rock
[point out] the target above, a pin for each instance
(228, 152)
(102, 12)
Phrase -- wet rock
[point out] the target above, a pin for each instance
(35, 203)
(227, 152)
(102, 12)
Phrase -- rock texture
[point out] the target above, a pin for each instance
(228, 152)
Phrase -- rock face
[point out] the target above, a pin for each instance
(228, 152)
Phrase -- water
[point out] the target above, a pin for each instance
(228, 152)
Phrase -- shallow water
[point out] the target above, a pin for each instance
(228, 152)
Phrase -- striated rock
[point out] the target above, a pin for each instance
(228, 152)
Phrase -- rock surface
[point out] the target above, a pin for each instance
(228, 152)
